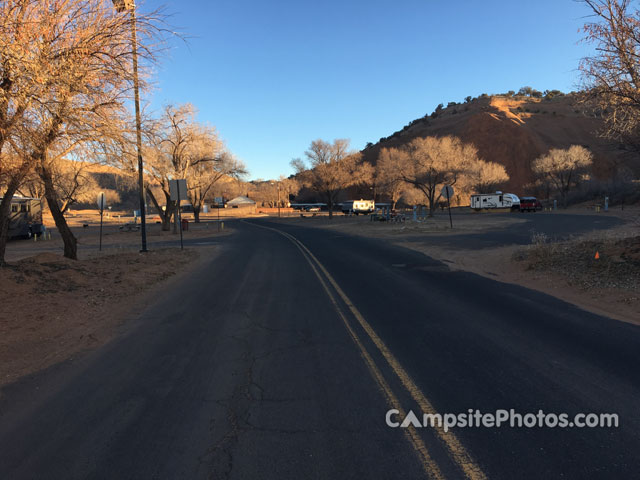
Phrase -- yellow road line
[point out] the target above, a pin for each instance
(429, 465)
(457, 452)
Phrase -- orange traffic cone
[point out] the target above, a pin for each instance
(597, 255)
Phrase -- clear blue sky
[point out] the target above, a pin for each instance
(274, 75)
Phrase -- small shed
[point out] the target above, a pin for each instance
(245, 203)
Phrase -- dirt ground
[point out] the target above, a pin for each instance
(562, 276)
(77, 218)
(52, 308)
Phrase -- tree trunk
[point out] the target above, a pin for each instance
(5, 214)
(166, 222)
(432, 202)
(196, 214)
(175, 222)
(70, 242)
(165, 216)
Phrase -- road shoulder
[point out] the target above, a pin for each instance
(54, 309)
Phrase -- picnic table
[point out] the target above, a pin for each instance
(129, 227)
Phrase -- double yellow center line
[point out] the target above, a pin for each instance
(454, 448)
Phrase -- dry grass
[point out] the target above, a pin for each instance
(617, 265)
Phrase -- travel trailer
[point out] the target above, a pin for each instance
(358, 206)
(25, 218)
(492, 201)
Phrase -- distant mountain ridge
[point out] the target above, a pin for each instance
(514, 130)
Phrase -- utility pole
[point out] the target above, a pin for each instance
(122, 6)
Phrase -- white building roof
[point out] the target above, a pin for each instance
(241, 201)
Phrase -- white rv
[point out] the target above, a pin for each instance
(358, 206)
(496, 200)
(25, 219)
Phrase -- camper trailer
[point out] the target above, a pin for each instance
(493, 201)
(358, 206)
(25, 218)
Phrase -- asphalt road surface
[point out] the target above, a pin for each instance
(556, 226)
(281, 357)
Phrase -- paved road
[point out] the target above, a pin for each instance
(556, 226)
(280, 360)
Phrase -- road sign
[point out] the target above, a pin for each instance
(102, 204)
(178, 190)
(447, 191)
(101, 201)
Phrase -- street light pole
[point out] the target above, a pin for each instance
(278, 199)
(121, 6)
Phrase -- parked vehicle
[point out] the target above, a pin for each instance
(25, 218)
(186, 208)
(358, 206)
(307, 206)
(498, 200)
(530, 204)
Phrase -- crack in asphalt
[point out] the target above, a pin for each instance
(220, 454)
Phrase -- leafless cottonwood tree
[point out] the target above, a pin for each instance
(564, 168)
(77, 56)
(612, 74)
(432, 162)
(387, 173)
(167, 156)
(484, 177)
(289, 188)
(182, 148)
(72, 181)
(18, 85)
(331, 168)
(214, 165)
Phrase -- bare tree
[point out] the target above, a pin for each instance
(332, 167)
(72, 181)
(264, 192)
(432, 162)
(205, 174)
(168, 156)
(365, 181)
(290, 188)
(76, 65)
(484, 177)
(564, 168)
(387, 173)
(612, 75)
(180, 147)
(17, 91)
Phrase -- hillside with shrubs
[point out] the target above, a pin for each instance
(514, 129)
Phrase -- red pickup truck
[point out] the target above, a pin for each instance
(529, 204)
